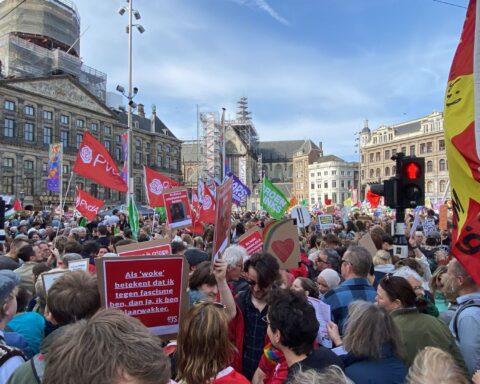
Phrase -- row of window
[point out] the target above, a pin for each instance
(8, 182)
(343, 197)
(333, 173)
(424, 148)
(334, 184)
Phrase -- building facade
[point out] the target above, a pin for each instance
(302, 158)
(331, 178)
(423, 137)
(36, 112)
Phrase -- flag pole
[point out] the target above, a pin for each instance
(66, 195)
(222, 123)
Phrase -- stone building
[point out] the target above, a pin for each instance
(302, 158)
(422, 137)
(36, 112)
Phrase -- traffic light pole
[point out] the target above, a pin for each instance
(400, 243)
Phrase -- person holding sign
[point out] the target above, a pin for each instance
(204, 351)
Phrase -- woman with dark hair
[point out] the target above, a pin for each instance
(374, 352)
(418, 330)
(204, 351)
(305, 285)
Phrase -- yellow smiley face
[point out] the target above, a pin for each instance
(453, 93)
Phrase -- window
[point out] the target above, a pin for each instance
(66, 169)
(28, 132)
(371, 173)
(159, 148)
(9, 105)
(147, 159)
(147, 146)
(159, 160)
(423, 148)
(387, 154)
(138, 158)
(387, 171)
(94, 190)
(342, 173)
(118, 138)
(363, 174)
(441, 145)
(167, 148)
(47, 135)
(29, 110)
(47, 115)
(312, 185)
(325, 184)
(28, 164)
(394, 170)
(138, 144)
(429, 147)
(342, 183)
(325, 173)
(64, 119)
(175, 150)
(442, 185)
(78, 140)
(349, 182)
(334, 173)
(80, 123)
(377, 156)
(107, 195)
(371, 157)
(107, 144)
(312, 174)
(28, 186)
(394, 152)
(107, 130)
(8, 185)
(175, 163)
(94, 127)
(8, 130)
(377, 172)
(64, 138)
(442, 165)
(118, 153)
(363, 158)
(319, 174)
(44, 169)
(403, 150)
(429, 166)
(430, 187)
(412, 150)
(8, 162)
(334, 197)
(334, 184)
(167, 161)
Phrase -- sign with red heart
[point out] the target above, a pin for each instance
(280, 238)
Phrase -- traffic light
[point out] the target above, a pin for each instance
(412, 182)
(387, 189)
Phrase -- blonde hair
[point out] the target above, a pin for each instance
(434, 366)
(204, 348)
(382, 257)
(330, 375)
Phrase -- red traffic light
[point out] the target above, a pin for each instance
(412, 170)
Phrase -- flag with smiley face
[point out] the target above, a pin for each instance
(462, 139)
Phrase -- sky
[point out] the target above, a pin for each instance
(311, 69)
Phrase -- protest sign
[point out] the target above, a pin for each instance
(367, 243)
(49, 278)
(152, 289)
(302, 216)
(239, 190)
(429, 227)
(177, 207)
(78, 265)
(326, 221)
(223, 211)
(273, 200)
(280, 238)
(147, 248)
(442, 215)
(323, 315)
(252, 241)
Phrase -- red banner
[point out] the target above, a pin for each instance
(207, 209)
(223, 212)
(95, 163)
(252, 241)
(155, 184)
(146, 248)
(177, 207)
(373, 199)
(87, 205)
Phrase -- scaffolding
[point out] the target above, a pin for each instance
(210, 141)
(244, 127)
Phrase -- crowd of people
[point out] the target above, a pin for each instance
(392, 320)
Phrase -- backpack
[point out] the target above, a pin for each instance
(461, 308)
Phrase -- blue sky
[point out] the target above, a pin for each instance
(311, 69)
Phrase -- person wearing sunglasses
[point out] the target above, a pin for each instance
(204, 351)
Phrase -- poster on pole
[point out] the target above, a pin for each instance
(443, 217)
(177, 206)
(54, 167)
(252, 241)
(223, 211)
(158, 247)
(326, 222)
(151, 289)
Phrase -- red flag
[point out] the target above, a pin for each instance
(373, 199)
(17, 205)
(328, 201)
(87, 205)
(155, 184)
(207, 210)
(95, 163)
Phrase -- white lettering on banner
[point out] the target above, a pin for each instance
(83, 203)
(86, 154)
(99, 159)
(238, 190)
(273, 200)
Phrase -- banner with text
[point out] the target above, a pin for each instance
(177, 206)
(272, 200)
(240, 190)
(158, 247)
(87, 205)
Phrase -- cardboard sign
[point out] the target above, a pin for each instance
(177, 206)
(147, 248)
(76, 265)
(152, 289)
(302, 216)
(326, 221)
(367, 243)
(49, 278)
(280, 238)
(443, 215)
(429, 227)
(223, 211)
(252, 241)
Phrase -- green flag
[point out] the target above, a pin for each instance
(82, 222)
(304, 203)
(133, 217)
(162, 212)
(272, 200)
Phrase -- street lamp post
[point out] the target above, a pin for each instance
(131, 91)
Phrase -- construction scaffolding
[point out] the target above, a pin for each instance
(244, 127)
(42, 38)
(210, 141)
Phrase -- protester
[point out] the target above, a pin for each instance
(306, 286)
(375, 350)
(234, 256)
(465, 324)
(330, 375)
(327, 258)
(110, 347)
(11, 358)
(204, 350)
(418, 330)
(30, 256)
(356, 263)
(327, 279)
(434, 366)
